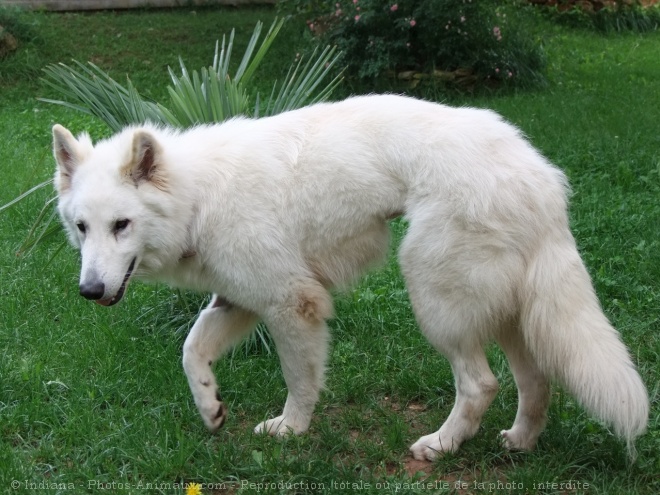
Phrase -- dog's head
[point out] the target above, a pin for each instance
(106, 197)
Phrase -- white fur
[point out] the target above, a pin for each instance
(269, 214)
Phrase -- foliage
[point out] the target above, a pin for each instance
(629, 15)
(22, 59)
(15, 21)
(479, 38)
(210, 95)
(88, 89)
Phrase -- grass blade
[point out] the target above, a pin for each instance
(32, 239)
(26, 194)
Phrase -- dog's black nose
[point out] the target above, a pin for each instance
(92, 290)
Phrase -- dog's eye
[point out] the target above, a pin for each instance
(81, 227)
(121, 225)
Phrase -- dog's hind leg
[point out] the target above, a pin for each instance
(301, 337)
(533, 394)
(451, 324)
(475, 389)
(218, 327)
(461, 287)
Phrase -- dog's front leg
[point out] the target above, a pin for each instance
(301, 337)
(218, 327)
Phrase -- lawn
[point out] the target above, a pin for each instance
(95, 399)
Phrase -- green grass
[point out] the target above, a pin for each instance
(95, 395)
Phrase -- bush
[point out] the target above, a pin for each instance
(20, 44)
(19, 23)
(606, 15)
(468, 41)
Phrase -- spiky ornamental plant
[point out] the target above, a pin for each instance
(211, 95)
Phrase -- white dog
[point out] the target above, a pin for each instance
(270, 214)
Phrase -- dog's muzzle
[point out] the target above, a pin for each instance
(95, 289)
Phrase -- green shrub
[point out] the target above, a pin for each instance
(628, 15)
(20, 44)
(21, 24)
(469, 41)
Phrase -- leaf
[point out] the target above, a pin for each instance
(89, 89)
(298, 88)
(263, 49)
(258, 457)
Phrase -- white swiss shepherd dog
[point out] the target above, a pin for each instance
(269, 215)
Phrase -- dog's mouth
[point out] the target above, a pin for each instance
(120, 293)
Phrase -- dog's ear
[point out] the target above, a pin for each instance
(68, 155)
(145, 164)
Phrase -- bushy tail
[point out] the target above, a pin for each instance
(574, 343)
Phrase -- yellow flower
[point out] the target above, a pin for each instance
(193, 489)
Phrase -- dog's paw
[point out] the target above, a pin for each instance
(514, 439)
(214, 413)
(279, 427)
(430, 447)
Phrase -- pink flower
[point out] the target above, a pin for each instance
(497, 70)
(510, 74)
(355, 1)
(413, 22)
(497, 33)
(357, 18)
(394, 8)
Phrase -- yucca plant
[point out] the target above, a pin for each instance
(209, 95)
